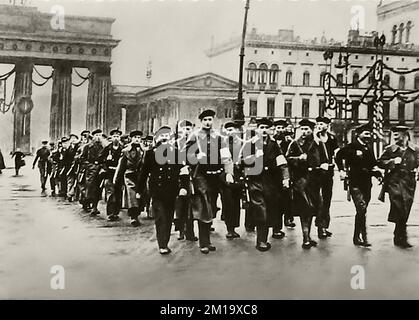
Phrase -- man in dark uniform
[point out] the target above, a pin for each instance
(283, 138)
(161, 168)
(81, 169)
(330, 145)
(266, 172)
(209, 156)
(361, 163)
(231, 193)
(109, 159)
(54, 164)
(145, 200)
(64, 164)
(71, 173)
(42, 156)
(90, 157)
(307, 163)
(127, 173)
(184, 222)
(401, 161)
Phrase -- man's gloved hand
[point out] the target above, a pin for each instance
(137, 196)
(183, 192)
(342, 175)
(286, 183)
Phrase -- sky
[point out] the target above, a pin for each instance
(173, 34)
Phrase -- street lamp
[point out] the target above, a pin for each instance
(238, 115)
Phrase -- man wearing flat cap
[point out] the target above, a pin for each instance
(283, 138)
(209, 157)
(127, 173)
(63, 165)
(184, 221)
(90, 156)
(80, 187)
(266, 171)
(42, 154)
(330, 145)
(361, 165)
(307, 163)
(231, 193)
(109, 158)
(162, 172)
(71, 172)
(401, 160)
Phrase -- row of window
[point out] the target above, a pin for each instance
(354, 114)
(399, 30)
(273, 78)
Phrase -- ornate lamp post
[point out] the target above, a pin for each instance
(238, 115)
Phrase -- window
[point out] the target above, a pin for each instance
(386, 79)
(256, 51)
(408, 27)
(306, 79)
(273, 74)
(288, 78)
(402, 111)
(322, 75)
(402, 82)
(416, 82)
(416, 112)
(386, 112)
(253, 108)
(393, 35)
(321, 107)
(372, 57)
(339, 79)
(288, 109)
(289, 53)
(251, 73)
(401, 29)
(227, 112)
(271, 107)
(356, 57)
(355, 110)
(355, 80)
(263, 70)
(307, 54)
(339, 109)
(306, 108)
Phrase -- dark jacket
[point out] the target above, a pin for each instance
(400, 179)
(360, 161)
(163, 176)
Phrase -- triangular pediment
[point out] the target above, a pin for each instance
(207, 81)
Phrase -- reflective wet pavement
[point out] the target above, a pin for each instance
(104, 260)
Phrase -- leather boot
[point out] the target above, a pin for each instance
(357, 239)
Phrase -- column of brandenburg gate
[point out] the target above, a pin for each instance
(28, 38)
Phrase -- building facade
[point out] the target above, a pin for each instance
(284, 74)
(147, 109)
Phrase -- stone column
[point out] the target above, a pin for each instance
(23, 106)
(123, 119)
(98, 96)
(60, 120)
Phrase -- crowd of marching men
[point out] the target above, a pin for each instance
(178, 174)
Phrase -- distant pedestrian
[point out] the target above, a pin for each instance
(19, 161)
(42, 155)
